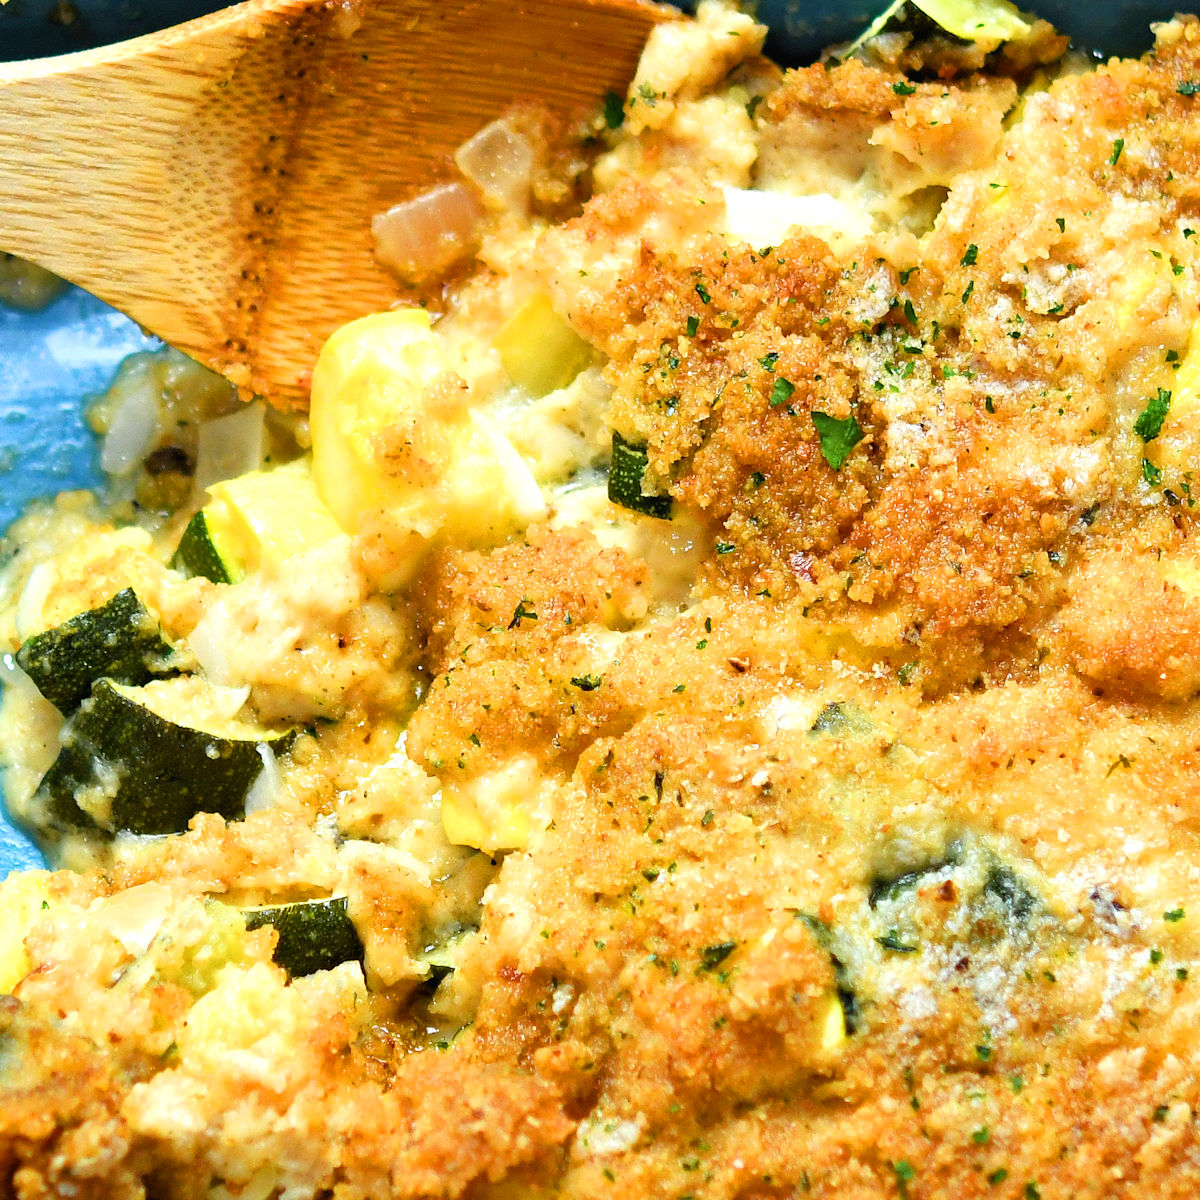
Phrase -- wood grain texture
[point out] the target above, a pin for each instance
(216, 181)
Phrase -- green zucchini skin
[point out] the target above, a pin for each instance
(157, 774)
(314, 935)
(120, 640)
(197, 553)
(625, 473)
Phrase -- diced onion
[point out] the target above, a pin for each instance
(264, 792)
(347, 19)
(227, 701)
(32, 603)
(209, 642)
(133, 916)
(229, 446)
(499, 162)
(425, 235)
(133, 422)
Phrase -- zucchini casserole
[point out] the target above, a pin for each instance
(704, 704)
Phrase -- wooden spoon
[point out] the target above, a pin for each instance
(216, 181)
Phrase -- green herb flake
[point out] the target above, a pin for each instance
(1032, 1192)
(726, 547)
(1118, 146)
(1122, 760)
(838, 437)
(984, 1053)
(997, 1177)
(1156, 956)
(693, 325)
(967, 293)
(1188, 88)
(752, 106)
(905, 1174)
(906, 274)
(587, 683)
(1173, 915)
(1061, 222)
(970, 255)
(903, 88)
(981, 1135)
(892, 941)
(782, 392)
(712, 957)
(768, 361)
(1149, 424)
(989, 404)
(522, 613)
(614, 110)
(1150, 473)
(703, 293)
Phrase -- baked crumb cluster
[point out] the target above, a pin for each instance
(723, 694)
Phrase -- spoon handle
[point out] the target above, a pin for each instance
(216, 181)
(147, 172)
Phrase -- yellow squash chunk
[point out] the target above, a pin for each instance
(987, 21)
(977, 20)
(22, 898)
(265, 517)
(386, 440)
(494, 811)
(832, 1024)
(539, 350)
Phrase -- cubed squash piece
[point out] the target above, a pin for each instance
(394, 433)
(497, 810)
(23, 897)
(539, 350)
(272, 515)
(256, 520)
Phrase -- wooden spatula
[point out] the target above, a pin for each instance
(216, 181)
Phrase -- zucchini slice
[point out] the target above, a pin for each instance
(258, 519)
(442, 958)
(126, 767)
(202, 551)
(120, 640)
(314, 935)
(539, 350)
(625, 474)
(987, 21)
